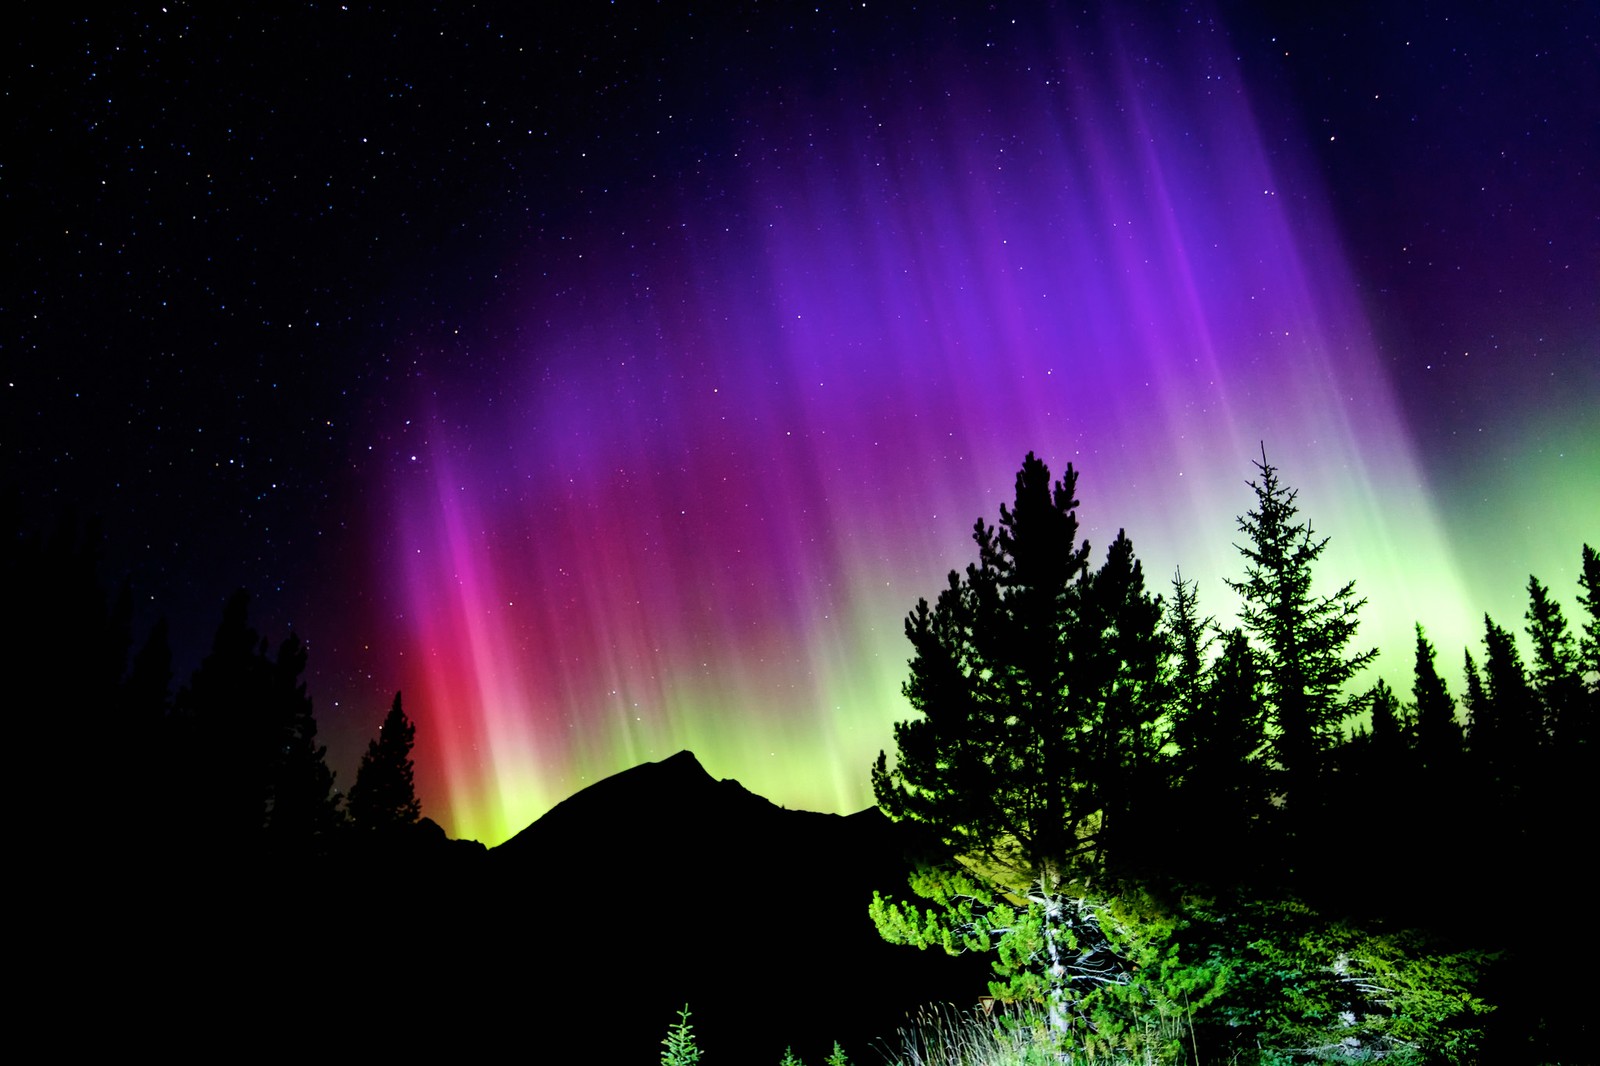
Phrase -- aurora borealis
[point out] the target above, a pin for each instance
(663, 459)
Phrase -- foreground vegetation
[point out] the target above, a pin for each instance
(1144, 817)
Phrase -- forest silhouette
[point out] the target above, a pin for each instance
(1220, 818)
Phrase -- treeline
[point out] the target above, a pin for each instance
(1147, 815)
(226, 767)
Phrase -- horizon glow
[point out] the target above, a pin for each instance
(733, 443)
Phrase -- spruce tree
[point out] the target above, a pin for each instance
(1388, 739)
(1506, 721)
(1438, 735)
(384, 798)
(679, 1048)
(1479, 728)
(1556, 676)
(1303, 637)
(1589, 599)
(1581, 732)
(1189, 638)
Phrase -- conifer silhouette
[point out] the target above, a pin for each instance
(248, 741)
(1438, 734)
(384, 798)
(1302, 637)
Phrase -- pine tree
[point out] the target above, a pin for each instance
(1505, 728)
(246, 736)
(384, 798)
(1589, 598)
(1438, 735)
(1039, 687)
(1480, 727)
(1581, 733)
(1189, 638)
(1388, 740)
(1037, 683)
(1557, 679)
(1303, 638)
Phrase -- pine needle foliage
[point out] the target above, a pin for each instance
(678, 1047)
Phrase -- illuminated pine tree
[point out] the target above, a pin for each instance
(1038, 686)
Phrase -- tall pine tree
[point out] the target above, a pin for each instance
(1038, 685)
(997, 761)
(1303, 637)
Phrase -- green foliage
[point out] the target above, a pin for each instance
(1059, 710)
(790, 1058)
(1098, 972)
(679, 1043)
(1315, 989)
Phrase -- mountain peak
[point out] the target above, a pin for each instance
(671, 791)
(683, 763)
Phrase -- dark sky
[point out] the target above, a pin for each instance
(252, 253)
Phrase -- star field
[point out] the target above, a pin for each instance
(614, 384)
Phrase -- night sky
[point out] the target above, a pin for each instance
(614, 383)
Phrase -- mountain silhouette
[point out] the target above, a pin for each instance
(663, 886)
(577, 940)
